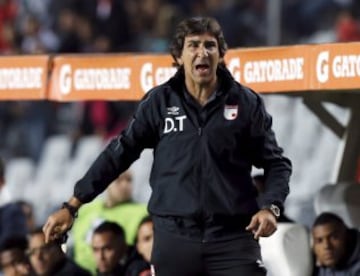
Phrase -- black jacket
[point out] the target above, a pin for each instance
(12, 221)
(119, 270)
(67, 267)
(138, 267)
(202, 155)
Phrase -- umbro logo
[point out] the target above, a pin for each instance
(173, 110)
(260, 263)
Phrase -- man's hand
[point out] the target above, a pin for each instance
(262, 224)
(61, 221)
(57, 224)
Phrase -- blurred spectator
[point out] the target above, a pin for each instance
(157, 24)
(347, 28)
(65, 27)
(12, 219)
(8, 13)
(9, 40)
(103, 118)
(109, 249)
(145, 238)
(13, 258)
(110, 22)
(139, 264)
(301, 17)
(48, 259)
(336, 248)
(38, 9)
(85, 34)
(116, 206)
(243, 22)
(36, 38)
(28, 211)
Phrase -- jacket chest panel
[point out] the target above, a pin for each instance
(220, 126)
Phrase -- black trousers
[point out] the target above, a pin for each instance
(176, 256)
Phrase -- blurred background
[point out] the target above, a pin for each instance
(47, 146)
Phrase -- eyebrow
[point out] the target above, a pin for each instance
(197, 41)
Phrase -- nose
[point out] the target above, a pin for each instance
(327, 244)
(202, 51)
(102, 255)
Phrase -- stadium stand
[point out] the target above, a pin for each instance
(287, 251)
(19, 172)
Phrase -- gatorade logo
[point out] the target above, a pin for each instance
(65, 79)
(271, 70)
(340, 66)
(21, 78)
(114, 78)
(234, 68)
(322, 67)
(150, 77)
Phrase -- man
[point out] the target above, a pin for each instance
(145, 238)
(116, 206)
(13, 259)
(207, 131)
(48, 259)
(109, 248)
(336, 248)
(139, 263)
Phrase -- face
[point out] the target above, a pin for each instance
(120, 190)
(200, 57)
(14, 263)
(108, 250)
(43, 256)
(145, 239)
(329, 244)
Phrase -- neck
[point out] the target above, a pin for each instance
(201, 93)
(109, 203)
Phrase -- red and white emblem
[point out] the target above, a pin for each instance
(230, 112)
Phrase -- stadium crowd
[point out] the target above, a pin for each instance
(104, 26)
(115, 26)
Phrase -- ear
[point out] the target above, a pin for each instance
(179, 61)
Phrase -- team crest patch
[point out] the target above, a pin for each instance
(230, 112)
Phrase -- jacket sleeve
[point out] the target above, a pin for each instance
(121, 152)
(269, 156)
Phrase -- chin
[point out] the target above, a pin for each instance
(330, 263)
(204, 81)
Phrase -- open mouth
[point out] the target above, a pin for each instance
(202, 68)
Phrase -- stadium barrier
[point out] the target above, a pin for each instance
(299, 68)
